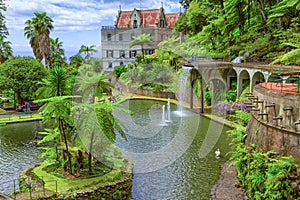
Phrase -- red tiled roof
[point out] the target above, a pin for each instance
(148, 18)
(171, 19)
(289, 88)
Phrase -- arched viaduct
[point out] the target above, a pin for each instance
(220, 75)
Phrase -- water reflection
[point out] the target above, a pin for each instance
(17, 151)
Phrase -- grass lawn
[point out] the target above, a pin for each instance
(15, 118)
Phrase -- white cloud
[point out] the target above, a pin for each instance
(75, 14)
(72, 16)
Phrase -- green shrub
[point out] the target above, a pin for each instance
(265, 175)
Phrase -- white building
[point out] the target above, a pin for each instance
(115, 40)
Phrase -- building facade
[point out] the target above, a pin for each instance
(115, 40)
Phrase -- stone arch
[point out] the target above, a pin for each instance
(217, 88)
(231, 77)
(242, 77)
(258, 77)
(194, 76)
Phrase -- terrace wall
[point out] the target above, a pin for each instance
(275, 122)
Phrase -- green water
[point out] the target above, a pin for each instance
(17, 152)
(172, 160)
(176, 161)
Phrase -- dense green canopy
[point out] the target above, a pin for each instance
(258, 30)
(21, 75)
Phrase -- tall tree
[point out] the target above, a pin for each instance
(5, 46)
(57, 112)
(53, 92)
(38, 29)
(57, 52)
(95, 120)
(56, 84)
(87, 50)
(76, 61)
(142, 40)
(5, 49)
(21, 75)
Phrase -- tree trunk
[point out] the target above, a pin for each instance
(142, 51)
(262, 11)
(280, 18)
(66, 144)
(64, 166)
(79, 158)
(90, 153)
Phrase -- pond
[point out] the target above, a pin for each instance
(173, 160)
(17, 152)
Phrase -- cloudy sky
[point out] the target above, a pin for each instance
(76, 22)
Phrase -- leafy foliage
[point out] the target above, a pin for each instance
(156, 76)
(21, 74)
(119, 70)
(37, 30)
(265, 175)
(142, 40)
(253, 29)
(5, 46)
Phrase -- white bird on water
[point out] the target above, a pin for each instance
(218, 153)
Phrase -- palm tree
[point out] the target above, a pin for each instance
(56, 84)
(142, 40)
(87, 50)
(38, 30)
(170, 45)
(5, 49)
(57, 52)
(57, 108)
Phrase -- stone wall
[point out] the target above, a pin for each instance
(275, 122)
(151, 93)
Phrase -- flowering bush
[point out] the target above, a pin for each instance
(225, 108)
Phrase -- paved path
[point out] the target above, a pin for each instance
(35, 195)
(226, 189)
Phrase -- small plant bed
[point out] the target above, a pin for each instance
(50, 174)
(99, 169)
(234, 111)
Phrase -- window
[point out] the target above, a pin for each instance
(162, 23)
(120, 37)
(132, 53)
(122, 54)
(108, 36)
(135, 23)
(110, 54)
(149, 51)
(110, 65)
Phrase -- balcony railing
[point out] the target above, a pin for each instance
(130, 27)
(107, 27)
